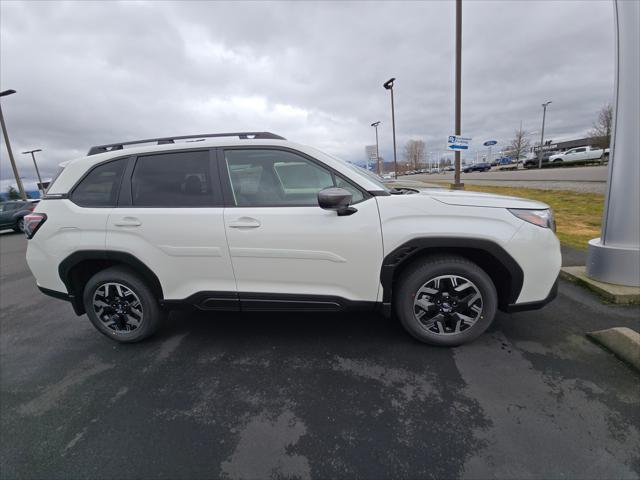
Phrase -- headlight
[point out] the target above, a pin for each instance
(542, 218)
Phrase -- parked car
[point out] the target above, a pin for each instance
(12, 213)
(533, 161)
(251, 222)
(501, 161)
(580, 153)
(477, 167)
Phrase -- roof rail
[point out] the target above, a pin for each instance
(167, 140)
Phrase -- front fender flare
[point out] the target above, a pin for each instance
(469, 247)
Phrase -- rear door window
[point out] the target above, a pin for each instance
(180, 179)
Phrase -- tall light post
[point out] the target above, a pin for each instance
(6, 140)
(389, 86)
(32, 152)
(544, 114)
(375, 125)
(457, 185)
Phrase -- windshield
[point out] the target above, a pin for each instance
(369, 174)
(372, 177)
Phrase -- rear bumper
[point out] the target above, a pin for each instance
(522, 307)
(55, 294)
(63, 296)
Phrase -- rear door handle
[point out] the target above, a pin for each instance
(245, 222)
(127, 222)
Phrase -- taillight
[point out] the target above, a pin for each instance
(32, 223)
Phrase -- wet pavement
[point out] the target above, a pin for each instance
(311, 396)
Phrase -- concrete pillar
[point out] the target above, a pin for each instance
(615, 256)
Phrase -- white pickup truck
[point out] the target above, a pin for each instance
(580, 153)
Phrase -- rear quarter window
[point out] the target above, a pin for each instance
(100, 187)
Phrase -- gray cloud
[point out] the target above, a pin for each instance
(89, 73)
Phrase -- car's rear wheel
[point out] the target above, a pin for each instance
(19, 225)
(446, 300)
(121, 306)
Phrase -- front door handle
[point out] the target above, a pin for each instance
(127, 222)
(245, 222)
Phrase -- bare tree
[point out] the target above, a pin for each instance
(414, 151)
(519, 144)
(600, 134)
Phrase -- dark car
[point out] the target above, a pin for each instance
(12, 213)
(533, 162)
(478, 167)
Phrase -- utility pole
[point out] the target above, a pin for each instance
(375, 125)
(544, 114)
(32, 152)
(456, 181)
(6, 140)
(389, 86)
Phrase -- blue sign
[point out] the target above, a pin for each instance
(458, 143)
(489, 143)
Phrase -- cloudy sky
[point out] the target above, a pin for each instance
(89, 72)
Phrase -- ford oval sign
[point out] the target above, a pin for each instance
(488, 143)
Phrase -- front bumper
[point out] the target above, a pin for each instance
(522, 307)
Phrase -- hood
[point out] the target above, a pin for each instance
(477, 199)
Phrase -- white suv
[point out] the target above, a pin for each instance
(250, 221)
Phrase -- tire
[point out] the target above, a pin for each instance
(557, 160)
(116, 313)
(19, 226)
(449, 329)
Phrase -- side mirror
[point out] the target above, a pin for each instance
(337, 199)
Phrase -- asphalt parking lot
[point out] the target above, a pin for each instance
(310, 396)
(591, 179)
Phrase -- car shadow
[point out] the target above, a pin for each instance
(284, 326)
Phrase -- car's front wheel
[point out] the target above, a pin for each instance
(19, 225)
(121, 306)
(446, 300)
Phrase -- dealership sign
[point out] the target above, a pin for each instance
(489, 143)
(455, 142)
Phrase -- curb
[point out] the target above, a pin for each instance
(618, 294)
(622, 341)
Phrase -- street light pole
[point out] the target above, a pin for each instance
(544, 114)
(375, 125)
(457, 185)
(32, 152)
(389, 86)
(6, 140)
